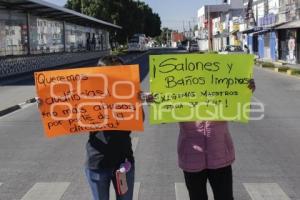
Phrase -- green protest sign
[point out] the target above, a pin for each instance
(191, 87)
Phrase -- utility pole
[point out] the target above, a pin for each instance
(194, 22)
(183, 27)
(209, 29)
(81, 2)
(190, 30)
(167, 37)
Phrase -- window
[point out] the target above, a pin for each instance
(13, 33)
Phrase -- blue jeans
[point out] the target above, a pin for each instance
(99, 181)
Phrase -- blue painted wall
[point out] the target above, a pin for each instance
(250, 42)
(261, 44)
(273, 45)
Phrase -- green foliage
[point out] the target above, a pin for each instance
(296, 72)
(283, 69)
(133, 16)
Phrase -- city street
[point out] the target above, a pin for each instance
(267, 165)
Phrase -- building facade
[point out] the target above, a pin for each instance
(206, 14)
(176, 38)
(275, 34)
(219, 25)
(35, 32)
(46, 35)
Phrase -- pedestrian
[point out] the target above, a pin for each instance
(206, 153)
(93, 42)
(246, 49)
(88, 42)
(108, 151)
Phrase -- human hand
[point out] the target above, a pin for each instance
(147, 97)
(251, 85)
(39, 101)
(126, 166)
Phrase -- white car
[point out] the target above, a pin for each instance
(232, 49)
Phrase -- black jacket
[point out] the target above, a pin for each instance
(108, 149)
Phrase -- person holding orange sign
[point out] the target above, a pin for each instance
(109, 154)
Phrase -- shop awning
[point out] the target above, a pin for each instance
(290, 25)
(254, 30)
(261, 31)
(248, 31)
(234, 32)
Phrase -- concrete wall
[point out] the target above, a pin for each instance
(203, 45)
(19, 65)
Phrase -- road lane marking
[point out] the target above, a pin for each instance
(265, 191)
(0, 184)
(16, 111)
(46, 191)
(136, 191)
(135, 141)
(181, 192)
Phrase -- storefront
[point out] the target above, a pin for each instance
(261, 45)
(289, 45)
(273, 45)
(268, 45)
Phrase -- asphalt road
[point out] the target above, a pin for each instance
(18, 88)
(267, 165)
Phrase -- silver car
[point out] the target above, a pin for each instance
(193, 46)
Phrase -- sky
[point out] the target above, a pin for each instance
(174, 14)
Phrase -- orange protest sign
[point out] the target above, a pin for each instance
(89, 99)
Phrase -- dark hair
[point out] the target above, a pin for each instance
(110, 60)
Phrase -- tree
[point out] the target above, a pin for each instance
(133, 16)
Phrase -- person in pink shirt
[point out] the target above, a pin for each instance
(206, 152)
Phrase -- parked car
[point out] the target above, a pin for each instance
(193, 46)
(232, 49)
(138, 42)
(181, 47)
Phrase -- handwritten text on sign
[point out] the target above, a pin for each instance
(190, 87)
(89, 99)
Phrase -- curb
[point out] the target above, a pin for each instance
(9, 110)
(16, 107)
(277, 71)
